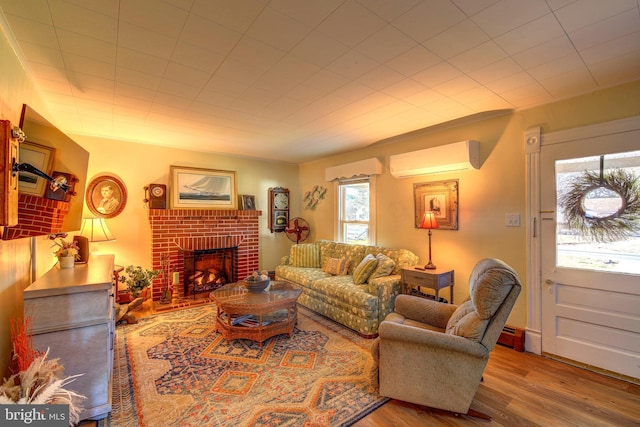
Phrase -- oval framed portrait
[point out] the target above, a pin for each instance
(106, 196)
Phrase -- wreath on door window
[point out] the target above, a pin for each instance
(616, 226)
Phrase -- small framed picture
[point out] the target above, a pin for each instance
(441, 197)
(248, 202)
(39, 156)
(106, 196)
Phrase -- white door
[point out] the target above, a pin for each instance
(590, 290)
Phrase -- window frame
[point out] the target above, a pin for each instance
(339, 222)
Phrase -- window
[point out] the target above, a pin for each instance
(356, 223)
(575, 248)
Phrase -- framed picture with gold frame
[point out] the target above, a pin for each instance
(198, 188)
(441, 197)
(106, 196)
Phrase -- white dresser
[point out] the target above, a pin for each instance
(73, 311)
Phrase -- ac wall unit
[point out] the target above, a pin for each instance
(458, 156)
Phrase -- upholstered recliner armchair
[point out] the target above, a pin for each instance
(434, 354)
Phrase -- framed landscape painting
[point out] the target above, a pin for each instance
(198, 188)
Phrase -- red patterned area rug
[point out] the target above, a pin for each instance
(174, 369)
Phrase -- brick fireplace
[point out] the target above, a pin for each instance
(176, 231)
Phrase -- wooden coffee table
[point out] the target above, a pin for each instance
(257, 316)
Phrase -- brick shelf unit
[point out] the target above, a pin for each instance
(176, 229)
(37, 216)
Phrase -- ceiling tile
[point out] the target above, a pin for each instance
(209, 35)
(386, 44)
(545, 52)
(236, 15)
(606, 30)
(154, 16)
(526, 36)
(413, 61)
(456, 39)
(506, 15)
(277, 29)
(496, 70)
(351, 24)
(319, 49)
(437, 74)
(428, 19)
(33, 10)
(83, 20)
(352, 64)
(310, 13)
(582, 13)
(478, 57)
(388, 10)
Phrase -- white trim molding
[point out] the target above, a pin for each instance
(366, 167)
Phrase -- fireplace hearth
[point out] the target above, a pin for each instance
(206, 270)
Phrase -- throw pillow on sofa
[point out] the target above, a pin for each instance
(384, 268)
(336, 266)
(364, 269)
(305, 255)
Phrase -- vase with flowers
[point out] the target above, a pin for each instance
(67, 253)
(137, 279)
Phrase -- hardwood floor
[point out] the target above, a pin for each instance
(520, 389)
(523, 389)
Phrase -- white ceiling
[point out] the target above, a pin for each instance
(294, 80)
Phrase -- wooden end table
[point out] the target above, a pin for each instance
(256, 316)
(432, 279)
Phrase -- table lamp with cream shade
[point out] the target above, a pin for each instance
(429, 222)
(96, 231)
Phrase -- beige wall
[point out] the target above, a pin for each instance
(485, 195)
(138, 165)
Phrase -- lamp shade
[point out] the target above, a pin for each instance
(96, 230)
(429, 220)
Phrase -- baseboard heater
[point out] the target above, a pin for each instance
(512, 337)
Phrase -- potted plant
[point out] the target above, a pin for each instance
(137, 279)
(67, 253)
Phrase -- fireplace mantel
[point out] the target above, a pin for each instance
(176, 229)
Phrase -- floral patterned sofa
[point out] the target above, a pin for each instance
(355, 285)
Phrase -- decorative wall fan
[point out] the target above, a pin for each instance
(297, 230)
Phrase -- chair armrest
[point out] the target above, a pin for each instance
(386, 288)
(435, 340)
(424, 310)
(284, 260)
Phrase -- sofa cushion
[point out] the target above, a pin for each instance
(465, 322)
(336, 266)
(302, 276)
(305, 255)
(402, 257)
(342, 288)
(353, 253)
(362, 272)
(383, 268)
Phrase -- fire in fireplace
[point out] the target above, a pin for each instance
(208, 269)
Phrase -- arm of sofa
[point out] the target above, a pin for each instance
(284, 260)
(386, 288)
